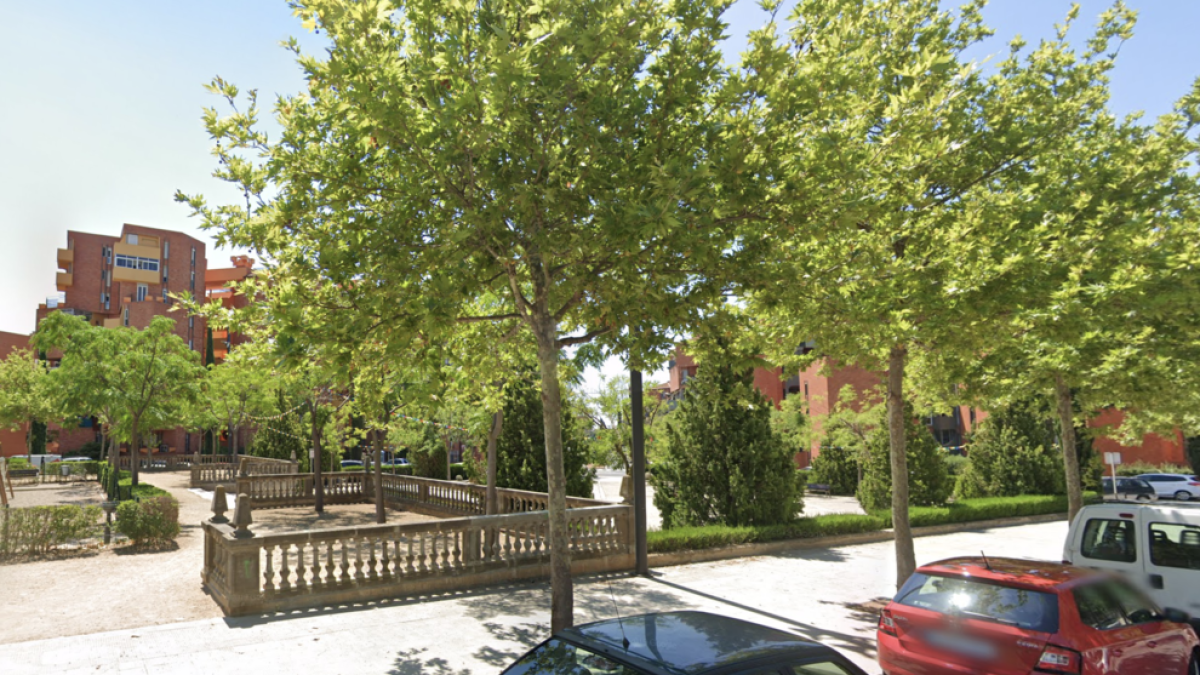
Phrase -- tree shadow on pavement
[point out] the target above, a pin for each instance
(867, 612)
(148, 549)
(411, 662)
(864, 645)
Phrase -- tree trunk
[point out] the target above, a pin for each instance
(316, 462)
(492, 501)
(133, 453)
(1066, 422)
(233, 441)
(906, 556)
(562, 601)
(380, 508)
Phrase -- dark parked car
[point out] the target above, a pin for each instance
(680, 643)
(1129, 488)
(351, 464)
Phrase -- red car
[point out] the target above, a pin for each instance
(1006, 616)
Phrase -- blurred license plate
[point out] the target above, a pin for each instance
(961, 644)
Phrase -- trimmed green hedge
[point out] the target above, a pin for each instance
(153, 520)
(963, 511)
(125, 480)
(37, 529)
(713, 536)
(985, 508)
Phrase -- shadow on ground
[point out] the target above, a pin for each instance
(412, 662)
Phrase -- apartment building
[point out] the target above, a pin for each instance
(127, 280)
(12, 441)
(219, 285)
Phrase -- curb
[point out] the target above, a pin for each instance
(771, 547)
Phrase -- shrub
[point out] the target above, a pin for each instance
(712, 536)
(837, 468)
(1193, 452)
(985, 508)
(37, 529)
(521, 447)
(19, 463)
(724, 463)
(154, 520)
(91, 450)
(458, 469)
(929, 482)
(956, 465)
(1003, 462)
(1139, 467)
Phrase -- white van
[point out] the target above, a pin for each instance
(40, 461)
(1156, 546)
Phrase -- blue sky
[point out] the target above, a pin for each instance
(100, 106)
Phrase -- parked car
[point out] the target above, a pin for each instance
(675, 643)
(1004, 616)
(351, 464)
(78, 459)
(1173, 485)
(1134, 489)
(1155, 546)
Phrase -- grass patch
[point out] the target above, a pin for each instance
(714, 536)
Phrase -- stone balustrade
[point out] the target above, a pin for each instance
(279, 572)
(422, 495)
(158, 462)
(208, 473)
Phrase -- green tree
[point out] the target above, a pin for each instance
(281, 434)
(838, 467)
(238, 391)
(520, 449)
(557, 156)
(609, 411)
(889, 196)
(26, 396)
(724, 464)
(929, 479)
(143, 379)
(1014, 452)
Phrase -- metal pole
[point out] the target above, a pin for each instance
(638, 419)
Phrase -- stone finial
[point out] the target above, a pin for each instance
(219, 505)
(243, 466)
(241, 516)
(293, 456)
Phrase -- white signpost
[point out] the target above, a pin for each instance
(1113, 459)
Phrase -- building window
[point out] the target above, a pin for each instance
(166, 249)
(191, 322)
(126, 317)
(132, 239)
(165, 298)
(132, 262)
(193, 256)
(193, 281)
(164, 274)
(190, 346)
(141, 292)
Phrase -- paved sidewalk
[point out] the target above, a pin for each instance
(823, 594)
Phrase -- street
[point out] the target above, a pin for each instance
(822, 594)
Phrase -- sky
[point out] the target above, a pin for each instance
(100, 108)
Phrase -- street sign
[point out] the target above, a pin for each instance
(1112, 458)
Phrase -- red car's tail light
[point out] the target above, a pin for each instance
(886, 624)
(1059, 660)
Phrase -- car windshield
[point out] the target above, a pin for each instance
(970, 598)
(557, 657)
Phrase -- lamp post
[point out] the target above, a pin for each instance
(638, 420)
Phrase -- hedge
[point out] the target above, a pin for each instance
(127, 490)
(713, 536)
(1139, 468)
(37, 529)
(985, 508)
(962, 511)
(153, 520)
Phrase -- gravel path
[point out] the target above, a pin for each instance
(117, 588)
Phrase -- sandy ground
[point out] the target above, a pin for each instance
(82, 493)
(118, 588)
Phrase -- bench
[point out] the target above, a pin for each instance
(819, 488)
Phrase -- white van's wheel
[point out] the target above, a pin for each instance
(1183, 495)
(1143, 498)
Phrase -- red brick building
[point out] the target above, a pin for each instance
(12, 441)
(128, 280)
(217, 287)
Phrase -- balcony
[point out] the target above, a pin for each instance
(66, 256)
(64, 280)
(113, 323)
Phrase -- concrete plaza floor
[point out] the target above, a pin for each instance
(823, 594)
